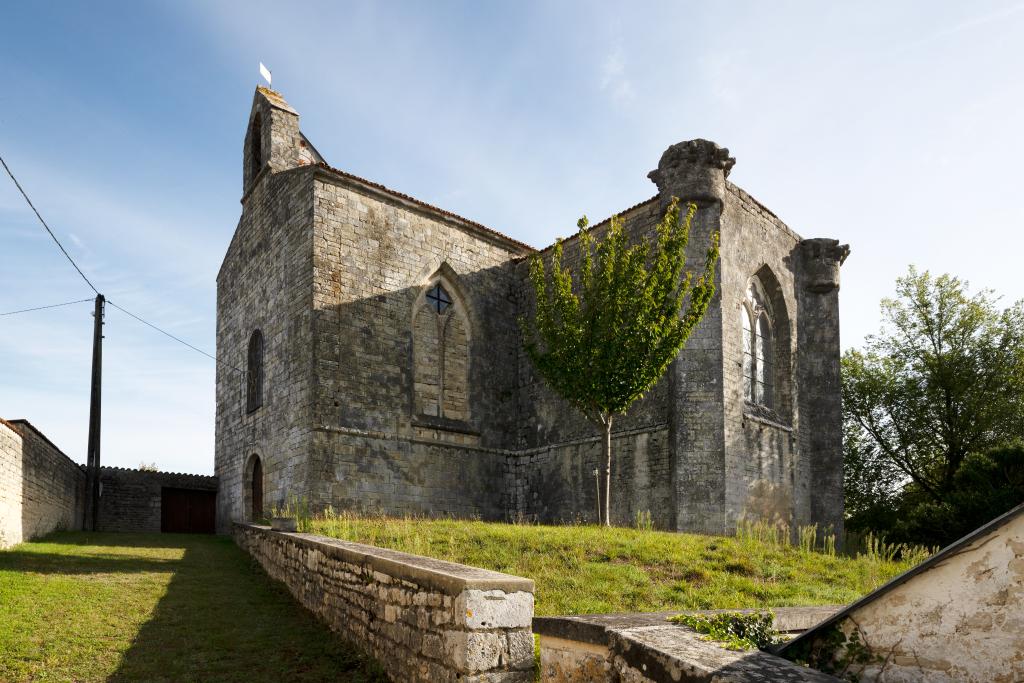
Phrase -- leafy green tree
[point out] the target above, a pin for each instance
(985, 486)
(944, 379)
(871, 482)
(604, 337)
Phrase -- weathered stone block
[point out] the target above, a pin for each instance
(472, 651)
(478, 609)
(520, 649)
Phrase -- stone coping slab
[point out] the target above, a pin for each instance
(595, 628)
(445, 577)
(669, 652)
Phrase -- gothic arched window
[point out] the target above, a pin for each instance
(254, 373)
(440, 330)
(758, 347)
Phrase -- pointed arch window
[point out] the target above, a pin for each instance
(254, 373)
(758, 347)
(441, 336)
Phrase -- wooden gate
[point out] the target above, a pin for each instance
(187, 511)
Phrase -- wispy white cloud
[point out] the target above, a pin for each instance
(614, 79)
(969, 24)
(722, 74)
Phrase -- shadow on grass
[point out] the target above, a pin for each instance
(54, 563)
(118, 540)
(49, 555)
(223, 619)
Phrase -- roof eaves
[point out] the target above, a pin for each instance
(369, 184)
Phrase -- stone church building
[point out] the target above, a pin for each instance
(372, 359)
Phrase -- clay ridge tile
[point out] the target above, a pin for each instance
(118, 468)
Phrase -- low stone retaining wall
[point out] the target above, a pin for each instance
(646, 648)
(422, 619)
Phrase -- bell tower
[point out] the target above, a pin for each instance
(273, 140)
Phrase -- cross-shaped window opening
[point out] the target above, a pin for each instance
(438, 299)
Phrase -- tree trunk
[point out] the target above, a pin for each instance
(608, 471)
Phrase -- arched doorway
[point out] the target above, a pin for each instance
(256, 488)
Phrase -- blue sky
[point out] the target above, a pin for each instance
(895, 127)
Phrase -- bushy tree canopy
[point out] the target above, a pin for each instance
(942, 381)
(603, 336)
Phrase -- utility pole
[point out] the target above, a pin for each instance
(92, 481)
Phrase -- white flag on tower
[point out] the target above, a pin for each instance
(265, 72)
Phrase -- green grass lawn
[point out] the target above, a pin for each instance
(165, 607)
(589, 569)
(160, 607)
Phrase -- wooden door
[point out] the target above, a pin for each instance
(257, 490)
(187, 511)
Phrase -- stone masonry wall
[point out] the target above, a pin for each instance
(374, 255)
(130, 499)
(765, 477)
(556, 484)
(818, 376)
(393, 474)
(265, 283)
(422, 619)
(696, 437)
(41, 489)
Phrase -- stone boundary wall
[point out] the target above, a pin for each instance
(41, 488)
(423, 619)
(130, 500)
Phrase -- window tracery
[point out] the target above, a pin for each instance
(758, 347)
(438, 298)
(441, 354)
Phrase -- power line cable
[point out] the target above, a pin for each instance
(177, 339)
(61, 246)
(88, 282)
(39, 308)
